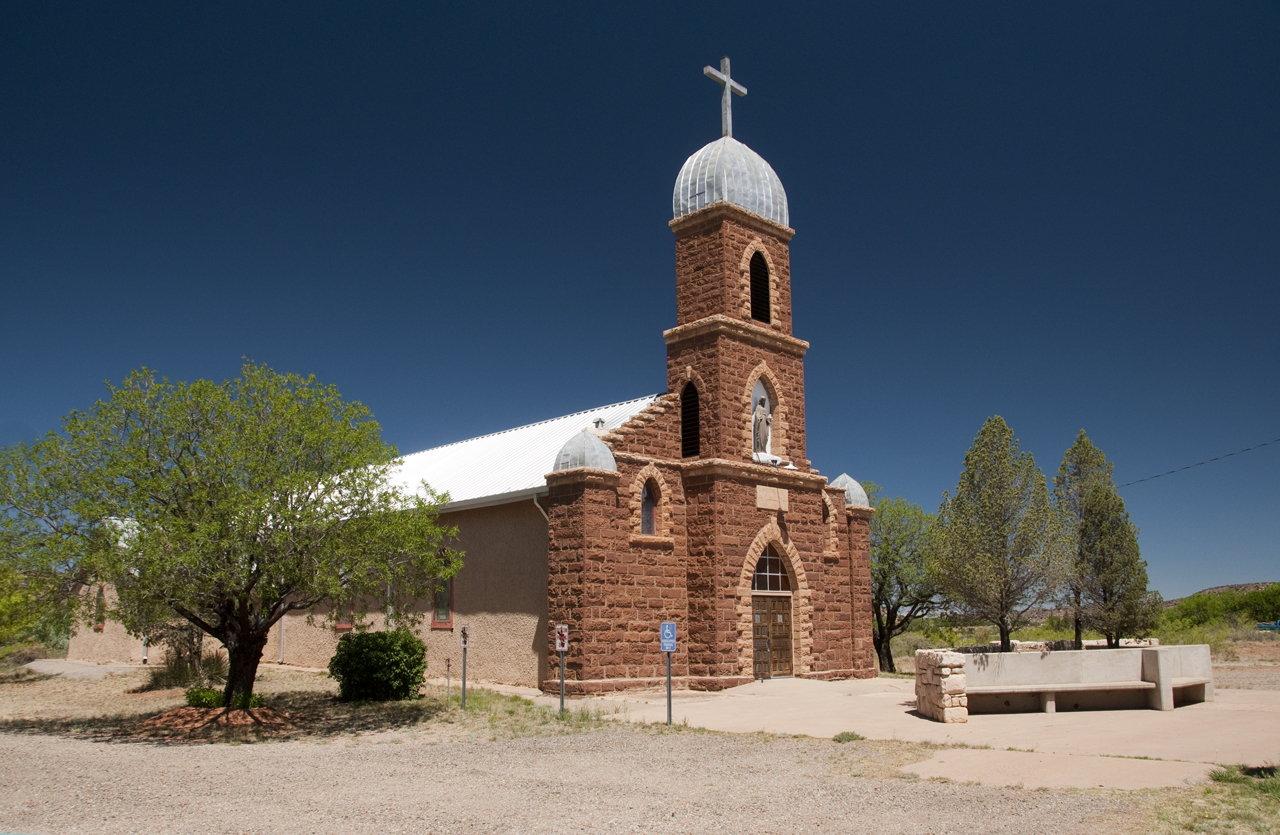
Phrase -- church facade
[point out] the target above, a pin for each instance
(698, 505)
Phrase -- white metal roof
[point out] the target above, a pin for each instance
(506, 466)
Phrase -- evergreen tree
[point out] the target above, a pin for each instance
(998, 549)
(1082, 465)
(1110, 575)
(1108, 581)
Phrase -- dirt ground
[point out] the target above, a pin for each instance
(72, 759)
(1254, 665)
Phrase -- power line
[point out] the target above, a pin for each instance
(1202, 463)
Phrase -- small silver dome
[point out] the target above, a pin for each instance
(584, 450)
(854, 495)
(728, 170)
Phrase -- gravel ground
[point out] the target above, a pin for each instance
(614, 781)
(80, 768)
(1247, 677)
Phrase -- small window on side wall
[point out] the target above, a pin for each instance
(648, 508)
(100, 610)
(442, 606)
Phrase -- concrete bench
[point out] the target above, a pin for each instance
(1048, 692)
(950, 685)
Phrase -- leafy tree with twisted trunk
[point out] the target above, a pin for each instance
(901, 588)
(998, 548)
(228, 506)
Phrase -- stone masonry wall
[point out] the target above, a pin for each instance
(940, 686)
(727, 363)
(712, 274)
(858, 532)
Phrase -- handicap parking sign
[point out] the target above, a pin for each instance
(668, 636)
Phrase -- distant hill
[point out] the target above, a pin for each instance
(1239, 587)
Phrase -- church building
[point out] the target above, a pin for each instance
(698, 505)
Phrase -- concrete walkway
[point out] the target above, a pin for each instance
(1084, 749)
(79, 669)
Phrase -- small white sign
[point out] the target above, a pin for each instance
(464, 635)
(562, 637)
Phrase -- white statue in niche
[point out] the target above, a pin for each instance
(762, 426)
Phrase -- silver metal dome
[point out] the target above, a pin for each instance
(584, 450)
(728, 170)
(854, 495)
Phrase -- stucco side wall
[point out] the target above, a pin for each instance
(501, 593)
(108, 644)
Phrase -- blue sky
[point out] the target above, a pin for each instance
(1064, 214)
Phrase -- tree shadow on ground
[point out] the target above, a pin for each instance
(308, 714)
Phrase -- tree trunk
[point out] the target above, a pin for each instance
(243, 656)
(884, 651)
(1005, 644)
(1079, 628)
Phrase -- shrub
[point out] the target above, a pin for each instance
(848, 736)
(203, 697)
(208, 697)
(379, 666)
(178, 670)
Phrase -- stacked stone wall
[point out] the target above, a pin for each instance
(713, 249)
(940, 686)
(858, 521)
(653, 433)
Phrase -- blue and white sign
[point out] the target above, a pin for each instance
(668, 635)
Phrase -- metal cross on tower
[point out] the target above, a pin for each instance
(727, 85)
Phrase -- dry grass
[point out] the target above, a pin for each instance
(118, 707)
(1239, 801)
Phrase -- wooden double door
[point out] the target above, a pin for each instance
(771, 635)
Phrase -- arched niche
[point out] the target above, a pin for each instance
(762, 385)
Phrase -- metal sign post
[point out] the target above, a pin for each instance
(448, 686)
(562, 646)
(668, 639)
(464, 634)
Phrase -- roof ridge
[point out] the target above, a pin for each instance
(649, 397)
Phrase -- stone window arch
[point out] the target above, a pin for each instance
(649, 481)
(758, 284)
(771, 537)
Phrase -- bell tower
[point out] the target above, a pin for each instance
(732, 345)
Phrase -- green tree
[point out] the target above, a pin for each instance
(1109, 573)
(230, 505)
(1107, 585)
(901, 588)
(997, 548)
(1082, 466)
(40, 537)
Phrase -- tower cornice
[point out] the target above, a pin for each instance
(723, 208)
(745, 331)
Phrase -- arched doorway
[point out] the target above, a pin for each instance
(771, 617)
